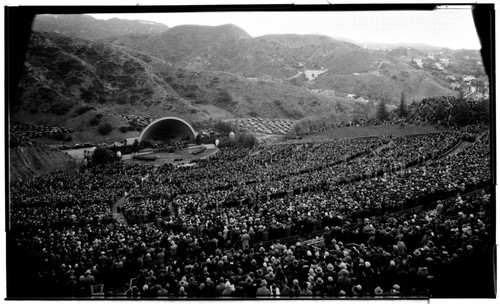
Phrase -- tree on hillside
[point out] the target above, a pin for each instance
(481, 111)
(246, 139)
(105, 129)
(440, 113)
(402, 111)
(461, 115)
(223, 127)
(382, 113)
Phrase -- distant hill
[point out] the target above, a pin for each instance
(229, 48)
(344, 66)
(88, 27)
(419, 46)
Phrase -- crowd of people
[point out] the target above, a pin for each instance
(228, 227)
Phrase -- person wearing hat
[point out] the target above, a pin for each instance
(182, 293)
(319, 288)
(275, 291)
(229, 291)
(263, 290)
(421, 282)
(327, 235)
(270, 276)
(285, 291)
(330, 272)
(401, 246)
(319, 271)
(343, 281)
(395, 290)
(220, 288)
(296, 290)
(249, 286)
(245, 240)
(357, 290)
(306, 290)
(370, 275)
(330, 287)
(86, 281)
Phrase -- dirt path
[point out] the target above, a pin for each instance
(457, 149)
(118, 215)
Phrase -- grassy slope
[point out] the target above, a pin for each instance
(28, 161)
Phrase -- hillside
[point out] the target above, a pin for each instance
(62, 73)
(229, 48)
(203, 73)
(82, 84)
(292, 59)
(88, 27)
(32, 160)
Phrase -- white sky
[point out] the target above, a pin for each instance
(453, 28)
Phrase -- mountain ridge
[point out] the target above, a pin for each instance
(65, 75)
(88, 27)
(201, 72)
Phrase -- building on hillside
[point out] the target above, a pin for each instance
(469, 78)
(479, 63)
(431, 56)
(313, 74)
(455, 86)
(444, 61)
(467, 57)
(438, 66)
(363, 100)
(418, 62)
(351, 96)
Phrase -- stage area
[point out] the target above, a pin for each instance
(182, 157)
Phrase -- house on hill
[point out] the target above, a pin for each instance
(469, 78)
(351, 96)
(455, 86)
(444, 61)
(313, 74)
(438, 66)
(418, 62)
